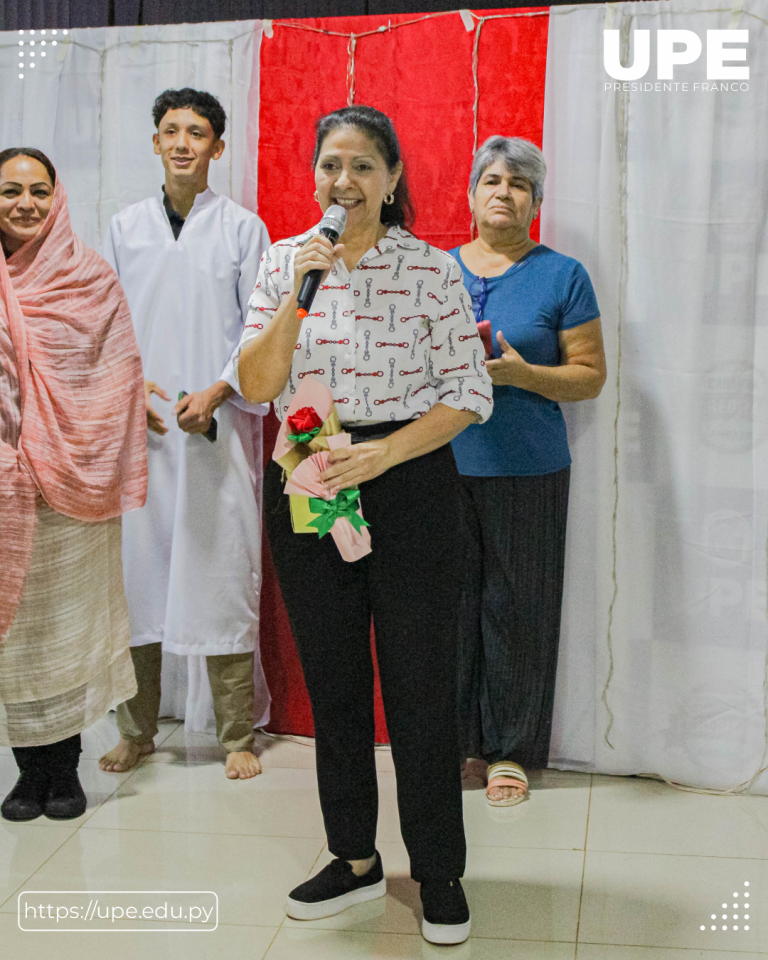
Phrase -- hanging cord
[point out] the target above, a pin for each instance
(481, 21)
(231, 102)
(367, 33)
(622, 107)
(351, 69)
(387, 28)
(100, 189)
(476, 104)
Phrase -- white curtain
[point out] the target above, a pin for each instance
(87, 104)
(663, 196)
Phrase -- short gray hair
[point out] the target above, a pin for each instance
(518, 156)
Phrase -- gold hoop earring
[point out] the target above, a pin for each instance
(389, 199)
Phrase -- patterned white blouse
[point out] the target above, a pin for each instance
(390, 339)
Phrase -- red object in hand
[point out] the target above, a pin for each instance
(304, 421)
(484, 329)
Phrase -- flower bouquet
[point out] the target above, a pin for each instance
(310, 430)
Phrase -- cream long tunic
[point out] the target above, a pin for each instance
(65, 660)
(192, 555)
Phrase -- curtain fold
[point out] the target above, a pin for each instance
(663, 196)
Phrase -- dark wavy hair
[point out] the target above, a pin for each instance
(379, 128)
(204, 104)
(11, 152)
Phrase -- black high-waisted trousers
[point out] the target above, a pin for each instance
(410, 586)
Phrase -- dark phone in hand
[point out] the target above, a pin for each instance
(213, 431)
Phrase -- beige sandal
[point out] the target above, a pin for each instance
(506, 774)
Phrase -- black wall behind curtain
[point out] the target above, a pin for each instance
(62, 14)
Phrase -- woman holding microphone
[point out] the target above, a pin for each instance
(392, 334)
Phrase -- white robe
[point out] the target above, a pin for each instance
(192, 555)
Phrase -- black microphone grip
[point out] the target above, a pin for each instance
(331, 226)
(312, 278)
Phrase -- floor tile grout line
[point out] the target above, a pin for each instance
(314, 862)
(415, 934)
(209, 833)
(280, 927)
(656, 853)
(199, 833)
(284, 836)
(281, 836)
(583, 870)
(646, 946)
(272, 941)
(401, 933)
(37, 868)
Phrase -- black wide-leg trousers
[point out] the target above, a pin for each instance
(409, 586)
(514, 537)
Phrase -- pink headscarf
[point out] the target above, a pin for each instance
(83, 422)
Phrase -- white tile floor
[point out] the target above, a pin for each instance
(591, 868)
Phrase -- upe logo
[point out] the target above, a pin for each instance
(675, 48)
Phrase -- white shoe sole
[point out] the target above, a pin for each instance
(445, 932)
(329, 908)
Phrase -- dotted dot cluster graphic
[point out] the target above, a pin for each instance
(735, 916)
(31, 53)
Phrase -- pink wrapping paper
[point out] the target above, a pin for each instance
(305, 482)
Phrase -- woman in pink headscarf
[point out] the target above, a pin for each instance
(72, 460)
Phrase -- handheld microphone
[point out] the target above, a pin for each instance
(331, 226)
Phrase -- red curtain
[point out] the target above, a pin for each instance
(421, 76)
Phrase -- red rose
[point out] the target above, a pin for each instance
(304, 421)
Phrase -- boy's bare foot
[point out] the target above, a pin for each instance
(242, 765)
(125, 756)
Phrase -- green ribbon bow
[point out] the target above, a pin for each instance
(344, 504)
(303, 437)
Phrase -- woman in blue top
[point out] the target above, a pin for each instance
(538, 316)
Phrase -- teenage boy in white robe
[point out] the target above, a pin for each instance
(188, 260)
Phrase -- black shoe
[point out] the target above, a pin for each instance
(334, 889)
(65, 799)
(27, 799)
(446, 914)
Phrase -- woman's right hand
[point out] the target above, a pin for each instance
(154, 420)
(318, 253)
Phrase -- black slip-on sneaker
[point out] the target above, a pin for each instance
(334, 889)
(446, 914)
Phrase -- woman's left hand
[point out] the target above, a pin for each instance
(510, 369)
(350, 466)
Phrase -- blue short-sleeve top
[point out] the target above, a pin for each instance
(541, 294)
